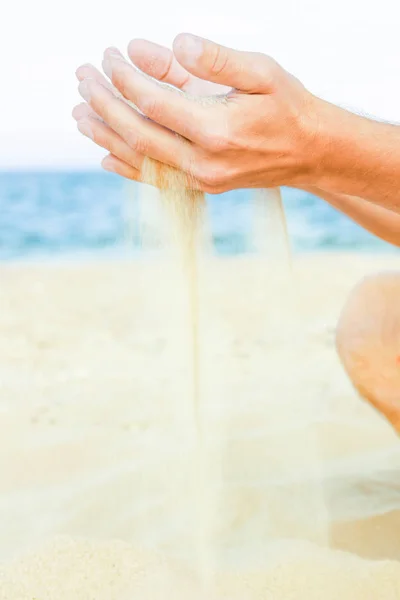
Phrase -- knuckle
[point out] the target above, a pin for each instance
(151, 107)
(267, 60)
(217, 139)
(211, 177)
(164, 71)
(214, 142)
(136, 142)
(141, 146)
(271, 69)
(219, 60)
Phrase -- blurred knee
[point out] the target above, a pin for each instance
(368, 340)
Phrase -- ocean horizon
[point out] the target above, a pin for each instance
(53, 215)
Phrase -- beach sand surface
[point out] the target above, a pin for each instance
(103, 490)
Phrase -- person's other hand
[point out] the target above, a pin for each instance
(262, 136)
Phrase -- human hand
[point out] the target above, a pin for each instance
(160, 63)
(156, 61)
(262, 136)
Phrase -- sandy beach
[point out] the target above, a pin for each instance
(97, 498)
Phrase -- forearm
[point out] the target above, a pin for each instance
(358, 156)
(379, 221)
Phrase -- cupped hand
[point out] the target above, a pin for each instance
(156, 61)
(263, 135)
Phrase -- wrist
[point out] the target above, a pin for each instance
(327, 130)
(308, 162)
(349, 151)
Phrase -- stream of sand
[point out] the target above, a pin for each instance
(187, 240)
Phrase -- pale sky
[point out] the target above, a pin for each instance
(347, 51)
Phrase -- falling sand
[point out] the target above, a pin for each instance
(239, 506)
(184, 208)
(187, 233)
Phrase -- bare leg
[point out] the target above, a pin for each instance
(368, 342)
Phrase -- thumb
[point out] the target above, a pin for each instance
(246, 71)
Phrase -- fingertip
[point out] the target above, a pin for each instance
(74, 113)
(114, 165)
(149, 57)
(139, 45)
(113, 51)
(84, 71)
(108, 163)
(188, 49)
(85, 88)
(180, 39)
(85, 127)
(136, 45)
(139, 51)
(79, 110)
(107, 66)
(179, 42)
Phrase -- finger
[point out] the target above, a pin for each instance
(141, 134)
(115, 165)
(161, 104)
(159, 62)
(88, 71)
(249, 72)
(83, 110)
(105, 137)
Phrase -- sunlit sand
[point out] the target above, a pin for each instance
(86, 349)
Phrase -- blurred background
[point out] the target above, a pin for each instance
(54, 199)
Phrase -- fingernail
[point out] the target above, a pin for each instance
(191, 45)
(107, 165)
(85, 128)
(84, 90)
(107, 68)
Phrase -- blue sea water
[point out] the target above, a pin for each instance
(76, 214)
